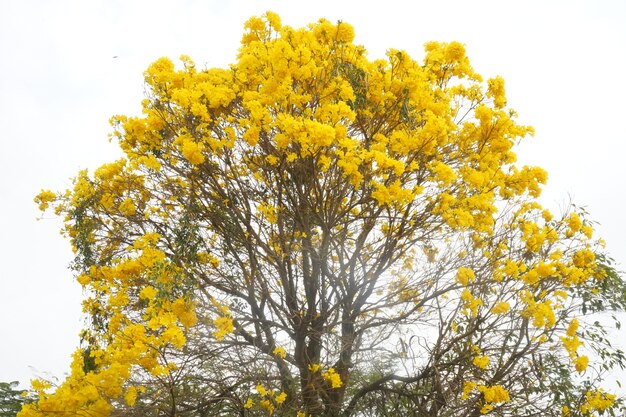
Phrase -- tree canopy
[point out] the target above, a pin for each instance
(313, 233)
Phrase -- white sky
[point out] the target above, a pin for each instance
(59, 84)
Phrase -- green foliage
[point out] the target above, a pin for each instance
(11, 399)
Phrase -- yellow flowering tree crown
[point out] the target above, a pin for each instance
(311, 232)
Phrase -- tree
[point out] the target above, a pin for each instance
(11, 400)
(311, 233)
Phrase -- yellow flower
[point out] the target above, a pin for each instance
(345, 32)
(192, 151)
(581, 363)
(44, 198)
(468, 386)
(443, 173)
(315, 367)
(224, 325)
(148, 293)
(500, 308)
(280, 398)
(583, 258)
(573, 326)
(481, 361)
(267, 404)
(40, 384)
(272, 160)
(175, 336)
(333, 377)
(184, 310)
(131, 396)
(465, 276)
(597, 400)
(494, 394)
(273, 19)
(454, 51)
(108, 201)
(574, 223)
(495, 90)
(261, 390)
(248, 403)
(471, 303)
(280, 352)
(127, 207)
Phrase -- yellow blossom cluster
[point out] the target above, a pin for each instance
(500, 308)
(471, 303)
(280, 352)
(491, 394)
(482, 361)
(597, 401)
(268, 399)
(572, 342)
(161, 325)
(333, 378)
(224, 322)
(465, 276)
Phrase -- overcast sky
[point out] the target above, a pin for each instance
(67, 66)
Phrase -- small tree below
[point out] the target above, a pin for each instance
(11, 399)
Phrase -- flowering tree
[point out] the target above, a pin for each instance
(311, 233)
